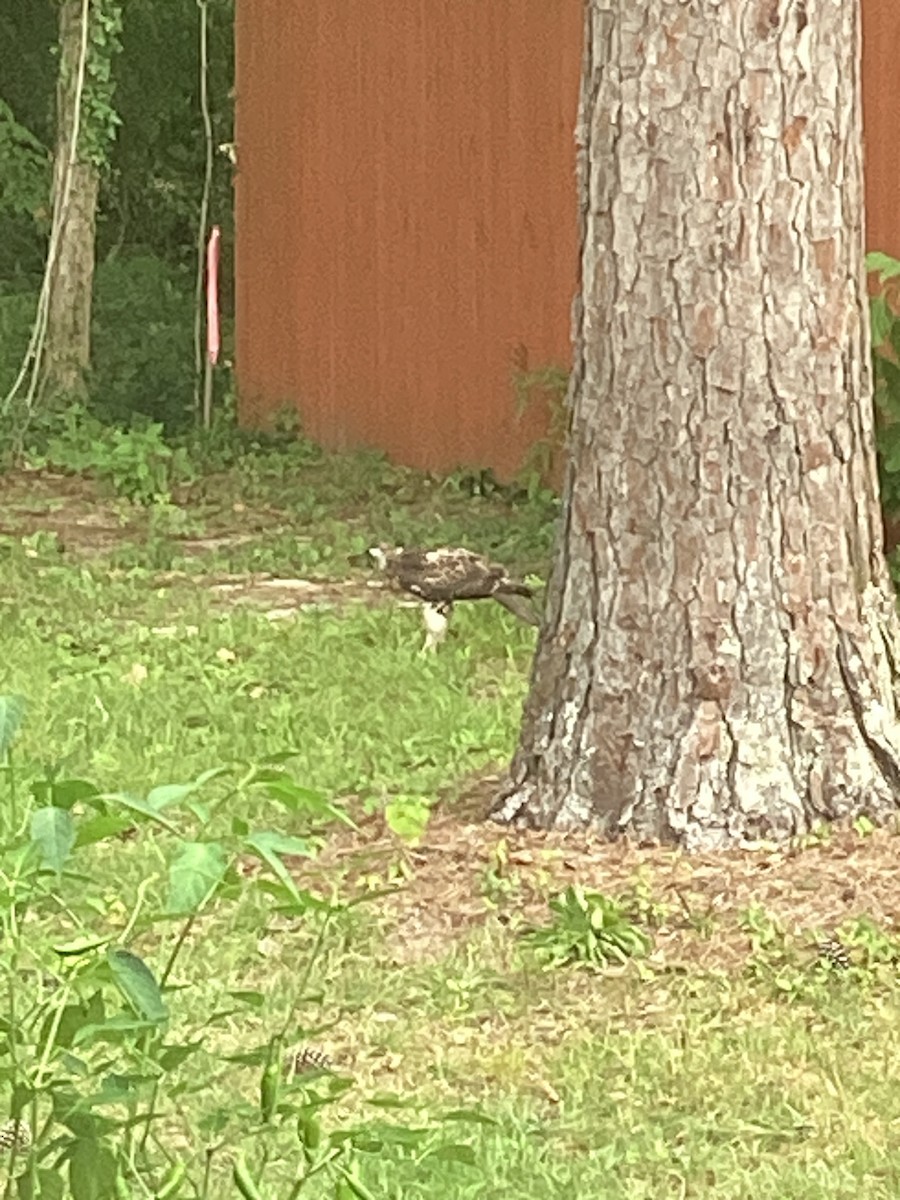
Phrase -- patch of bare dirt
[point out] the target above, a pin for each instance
(66, 506)
(85, 525)
(467, 871)
(281, 597)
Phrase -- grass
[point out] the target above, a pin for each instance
(695, 1072)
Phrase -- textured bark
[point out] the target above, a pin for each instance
(717, 662)
(68, 345)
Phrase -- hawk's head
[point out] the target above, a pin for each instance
(380, 554)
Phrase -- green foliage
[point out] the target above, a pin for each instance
(142, 342)
(878, 947)
(151, 199)
(101, 1051)
(886, 375)
(17, 310)
(136, 463)
(547, 386)
(589, 929)
(408, 817)
(142, 350)
(12, 710)
(24, 168)
(99, 119)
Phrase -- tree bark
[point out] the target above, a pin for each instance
(717, 661)
(68, 344)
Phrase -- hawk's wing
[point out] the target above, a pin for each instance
(447, 574)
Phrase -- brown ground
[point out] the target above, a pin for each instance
(452, 886)
(72, 509)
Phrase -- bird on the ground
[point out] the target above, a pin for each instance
(441, 577)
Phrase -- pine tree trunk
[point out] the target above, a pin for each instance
(68, 346)
(717, 660)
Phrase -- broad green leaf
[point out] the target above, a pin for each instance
(408, 818)
(53, 833)
(100, 829)
(884, 264)
(63, 793)
(270, 846)
(119, 1089)
(92, 1171)
(212, 773)
(75, 1017)
(141, 807)
(137, 983)
(168, 794)
(195, 873)
(880, 318)
(280, 756)
(12, 710)
(198, 810)
(297, 799)
(173, 1056)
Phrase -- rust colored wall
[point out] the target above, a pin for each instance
(405, 211)
(406, 223)
(881, 99)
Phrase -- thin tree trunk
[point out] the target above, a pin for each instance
(68, 346)
(717, 660)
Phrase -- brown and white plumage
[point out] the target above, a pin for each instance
(441, 577)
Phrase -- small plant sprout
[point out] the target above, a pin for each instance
(588, 929)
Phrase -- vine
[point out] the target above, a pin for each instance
(202, 366)
(94, 122)
(99, 119)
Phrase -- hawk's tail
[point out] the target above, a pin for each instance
(520, 604)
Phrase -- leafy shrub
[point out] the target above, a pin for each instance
(101, 1049)
(886, 377)
(587, 928)
(137, 463)
(17, 309)
(24, 168)
(143, 354)
(142, 343)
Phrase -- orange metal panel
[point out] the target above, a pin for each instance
(881, 107)
(406, 222)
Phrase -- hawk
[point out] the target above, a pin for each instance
(439, 578)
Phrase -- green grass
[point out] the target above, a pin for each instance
(347, 690)
(763, 1079)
